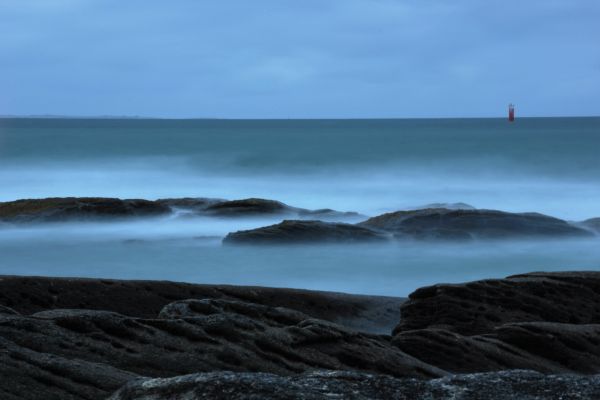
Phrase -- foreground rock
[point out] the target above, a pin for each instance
(29, 374)
(523, 385)
(540, 346)
(548, 322)
(53, 346)
(145, 299)
(78, 208)
(298, 231)
(88, 354)
(441, 223)
(479, 307)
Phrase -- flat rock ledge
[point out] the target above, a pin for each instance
(506, 385)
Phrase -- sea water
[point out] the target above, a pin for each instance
(547, 165)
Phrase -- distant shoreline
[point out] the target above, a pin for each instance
(133, 117)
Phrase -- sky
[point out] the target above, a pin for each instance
(299, 59)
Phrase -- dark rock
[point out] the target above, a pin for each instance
(195, 336)
(7, 310)
(145, 299)
(456, 353)
(29, 374)
(302, 231)
(189, 203)
(573, 347)
(479, 307)
(194, 308)
(441, 223)
(540, 346)
(77, 208)
(262, 207)
(322, 385)
(249, 207)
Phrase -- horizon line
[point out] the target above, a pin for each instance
(139, 117)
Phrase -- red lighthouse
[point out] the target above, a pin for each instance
(511, 112)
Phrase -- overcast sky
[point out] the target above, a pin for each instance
(299, 58)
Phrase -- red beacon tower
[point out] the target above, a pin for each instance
(511, 112)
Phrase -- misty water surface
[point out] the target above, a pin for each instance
(548, 165)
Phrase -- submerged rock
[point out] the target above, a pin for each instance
(61, 209)
(442, 223)
(322, 385)
(305, 231)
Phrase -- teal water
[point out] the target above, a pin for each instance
(543, 164)
(548, 165)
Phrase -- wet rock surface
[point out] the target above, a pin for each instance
(145, 299)
(540, 346)
(78, 208)
(300, 231)
(462, 224)
(249, 207)
(478, 307)
(96, 208)
(548, 322)
(509, 385)
(90, 353)
(462, 341)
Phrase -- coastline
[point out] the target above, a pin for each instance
(88, 338)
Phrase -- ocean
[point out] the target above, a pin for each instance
(546, 165)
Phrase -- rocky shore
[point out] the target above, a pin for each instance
(530, 336)
(447, 222)
(65, 209)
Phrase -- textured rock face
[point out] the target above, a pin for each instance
(522, 385)
(249, 207)
(145, 299)
(478, 307)
(76, 208)
(540, 346)
(29, 374)
(100, 350)
(92, 208)
(273, 340)
(548, 322)
(441, 223)
(298, 231)
(7, 310)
